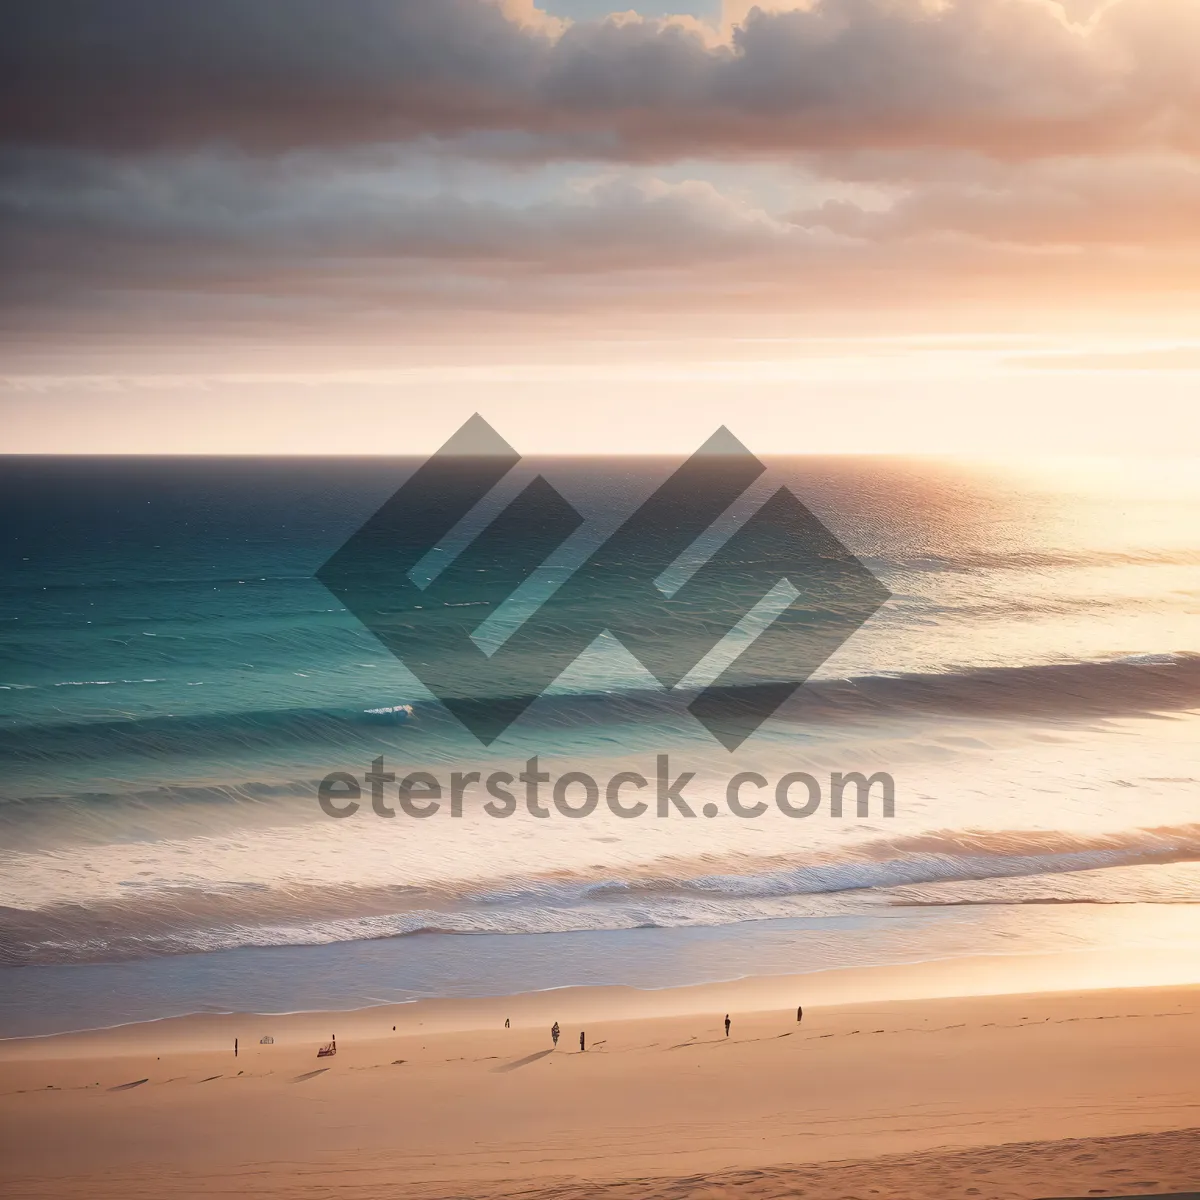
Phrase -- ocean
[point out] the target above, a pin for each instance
(175, 683)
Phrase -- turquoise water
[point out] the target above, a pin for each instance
(174, 682)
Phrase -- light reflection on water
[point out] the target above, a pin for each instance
(181, 683)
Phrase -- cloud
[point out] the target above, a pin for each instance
(246, 165)
(207, 239)
(1017, 78)
(1129, 201)
(355, 246)
(158, 215)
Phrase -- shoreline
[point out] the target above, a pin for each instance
(350, 974)
(956, 977)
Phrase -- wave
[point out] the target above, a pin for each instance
(1129, 686)
(190, 919)
(883, 863)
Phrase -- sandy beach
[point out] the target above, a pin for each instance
(926, 1093)
(600, 601)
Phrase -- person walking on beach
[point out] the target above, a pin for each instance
(728, 1022)
(799, 1013)
(554, 1032)
(582, 1042)
(235, 1047)
(506, 1024)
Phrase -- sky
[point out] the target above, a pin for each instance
(850, 226)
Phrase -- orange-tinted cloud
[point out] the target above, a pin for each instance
(379, 164)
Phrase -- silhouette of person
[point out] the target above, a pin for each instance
(506, 1024)
(799, 1012)
(235, 1047)
(582, 1043)
(728, 1022)
(554, 1032)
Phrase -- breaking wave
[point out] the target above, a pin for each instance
(892, 871)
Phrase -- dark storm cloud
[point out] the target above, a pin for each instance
(1011, 77)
